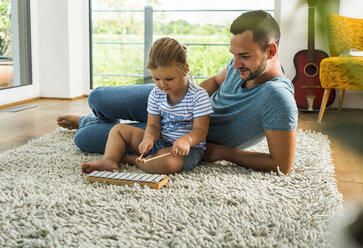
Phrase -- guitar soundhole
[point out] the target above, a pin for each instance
(311, 70)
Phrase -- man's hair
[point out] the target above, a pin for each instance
(167, 52)
(264, 27)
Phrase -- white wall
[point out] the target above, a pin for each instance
(78, 40)
(63, 48)
(351, 8)
(53, 53)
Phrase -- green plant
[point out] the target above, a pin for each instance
(129, 59)
(322, 9)
(5, 28)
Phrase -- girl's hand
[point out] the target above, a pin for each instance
(180, 147)
(145, 146)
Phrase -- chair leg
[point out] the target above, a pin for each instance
(323, 103)
(341, 98)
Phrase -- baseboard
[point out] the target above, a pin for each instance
(65, 98)
(353, 99)
(38, 98)
(18, 102)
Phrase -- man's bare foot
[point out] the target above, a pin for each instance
(99, 165)
(68, 121)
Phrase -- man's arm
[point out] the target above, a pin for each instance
(281, 145)
(212, 84)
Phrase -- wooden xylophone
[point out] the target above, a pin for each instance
(154, 181)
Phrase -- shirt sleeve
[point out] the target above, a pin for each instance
(152, 106)
(279, 110)
(202, 105)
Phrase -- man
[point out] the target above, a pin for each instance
(265, 101)
(251, 99)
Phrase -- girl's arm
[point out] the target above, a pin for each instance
(152, 133)
(199, 132)
(182, 146)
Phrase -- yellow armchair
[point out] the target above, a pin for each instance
(337, 71)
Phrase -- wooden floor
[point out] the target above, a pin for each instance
(345, 131)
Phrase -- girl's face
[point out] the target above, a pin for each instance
(170, 80)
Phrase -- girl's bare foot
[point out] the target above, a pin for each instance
(99, 165)
(68, 121)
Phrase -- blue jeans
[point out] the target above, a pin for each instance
(109, 105)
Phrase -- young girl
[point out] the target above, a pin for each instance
(178, 119)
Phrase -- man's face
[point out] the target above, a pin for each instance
(247, 56)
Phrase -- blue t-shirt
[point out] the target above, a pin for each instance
(241, 115)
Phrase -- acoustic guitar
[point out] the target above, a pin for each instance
(308, 91)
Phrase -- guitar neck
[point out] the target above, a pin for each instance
(311, 38)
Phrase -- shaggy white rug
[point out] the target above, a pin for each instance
(45, 201)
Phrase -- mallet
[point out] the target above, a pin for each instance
(144, 161)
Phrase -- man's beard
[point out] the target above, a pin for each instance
(258, 72)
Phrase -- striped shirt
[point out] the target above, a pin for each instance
(177, 119)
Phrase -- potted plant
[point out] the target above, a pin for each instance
(6, 64)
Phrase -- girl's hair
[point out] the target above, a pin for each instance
(167, 52)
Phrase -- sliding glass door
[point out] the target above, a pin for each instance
(15, 46)
(123, 31)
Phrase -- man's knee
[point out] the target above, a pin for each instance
(86, 143)
(81, 141)
(97, 98)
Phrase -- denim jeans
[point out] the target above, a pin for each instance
(109, 105)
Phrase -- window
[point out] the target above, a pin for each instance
(15, 56)
(122, 32)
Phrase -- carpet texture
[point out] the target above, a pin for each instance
(45, 201)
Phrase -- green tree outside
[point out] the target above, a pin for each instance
(129, 58)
